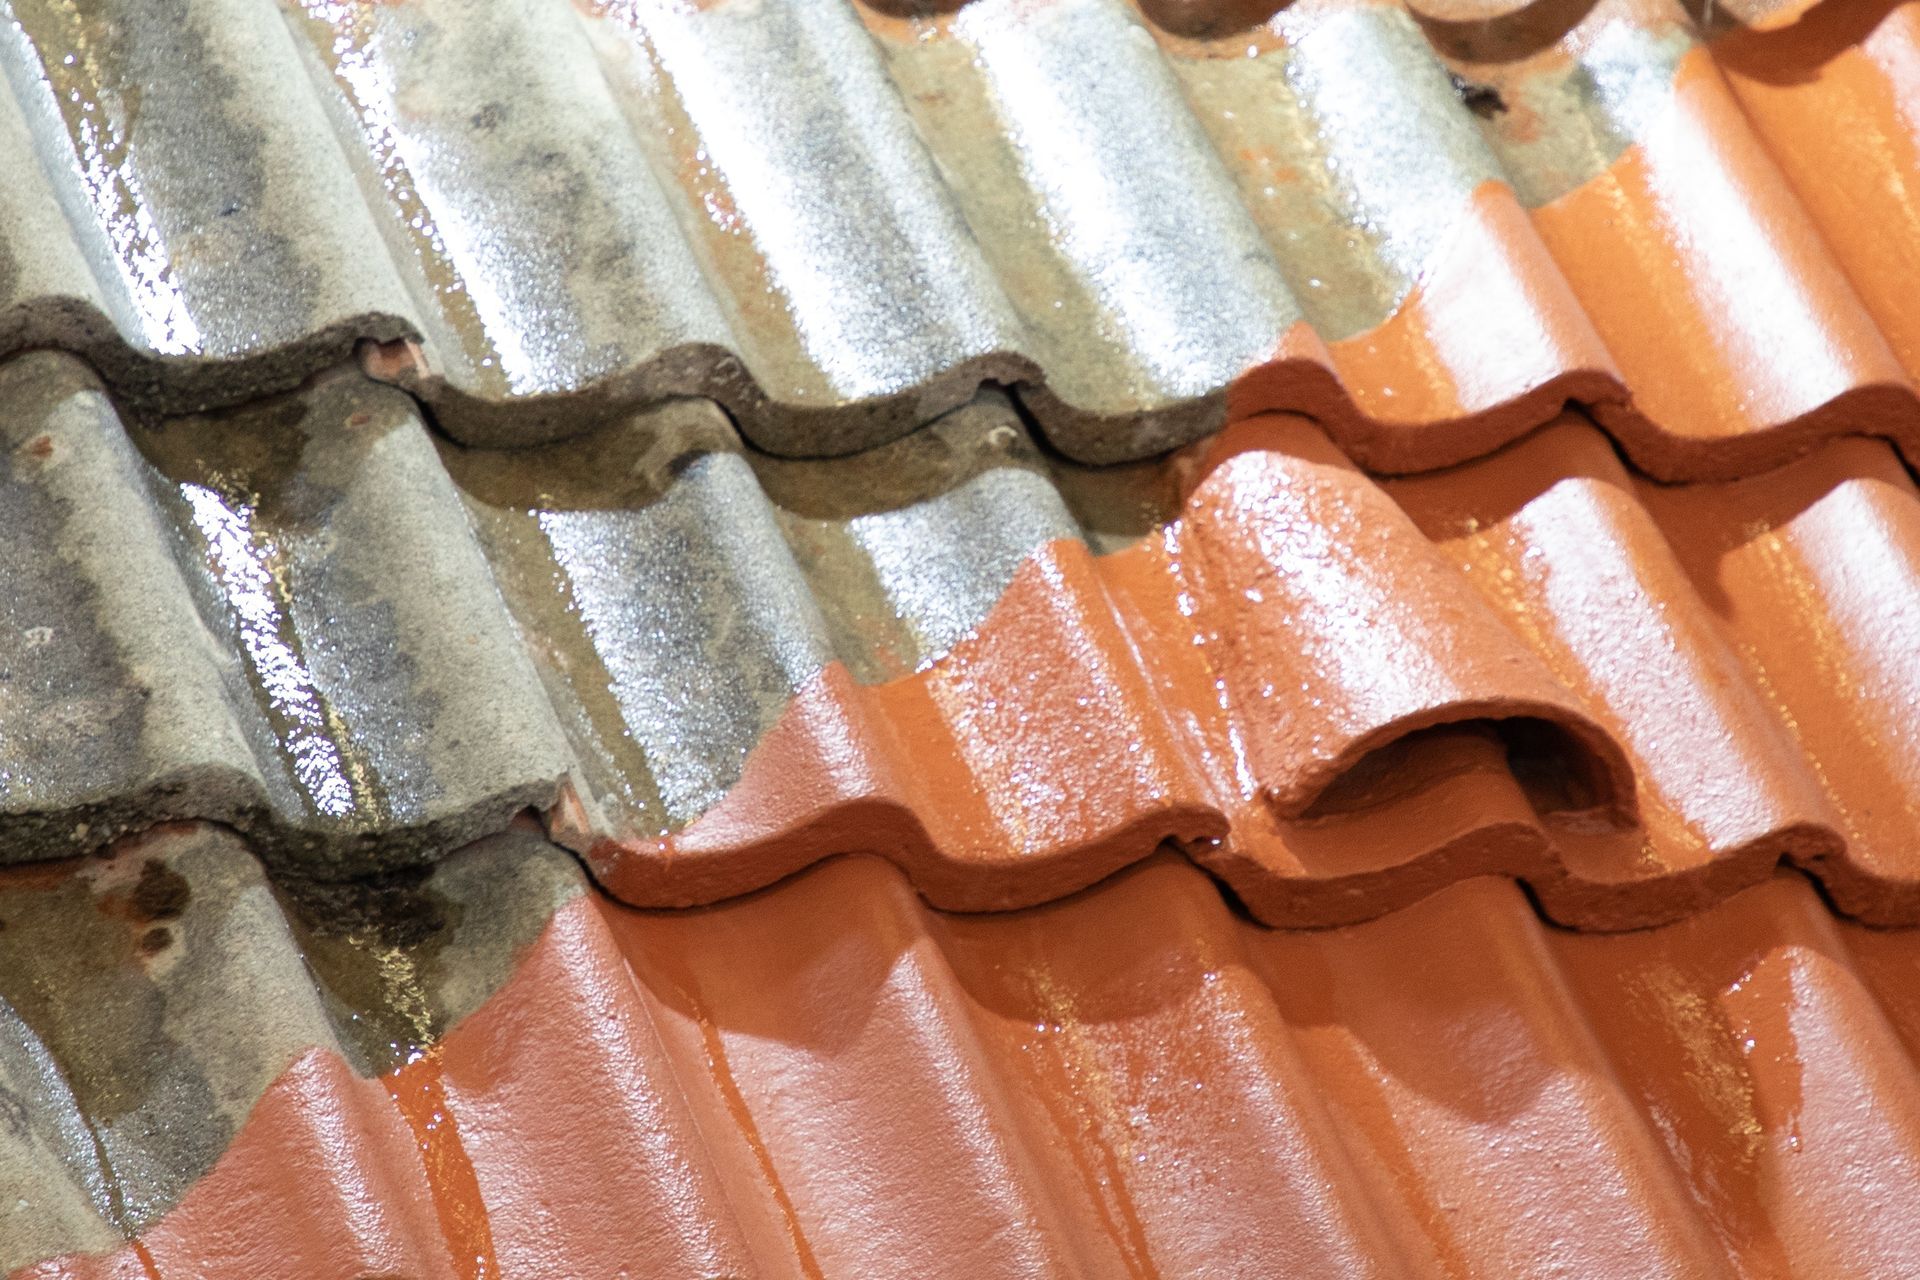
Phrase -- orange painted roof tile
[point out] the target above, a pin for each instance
(1454, 814)
(492, 1071)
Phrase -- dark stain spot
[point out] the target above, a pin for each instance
(161, 893)
(488, 117)
(155, 940)
(1482, 99)
(230, 208)
(682, 463)
(394, 909)
(40, 447)
(289, 413)
(359, 419)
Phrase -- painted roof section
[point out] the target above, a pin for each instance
(1008, 674)
(492, 1070)
(1426, 230)
(281, 665)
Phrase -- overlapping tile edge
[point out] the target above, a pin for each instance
(551, 215)
(1010, 675)
(830, 1079)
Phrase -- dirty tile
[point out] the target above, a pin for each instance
(839, 219)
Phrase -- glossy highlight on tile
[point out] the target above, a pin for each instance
(1116, 640)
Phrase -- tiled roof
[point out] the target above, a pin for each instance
(1537, 551)
(493, 1072)
(1427, 229)
(1008, 674)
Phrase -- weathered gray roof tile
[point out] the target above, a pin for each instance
(213, 218)
(312, 621)
(363, 644)
(285, 622)
(835, 222)
(122, 1099)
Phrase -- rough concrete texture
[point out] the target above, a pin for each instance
(837, 222)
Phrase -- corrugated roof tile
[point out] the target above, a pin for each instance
(279, 659)
(491, 1070)
(1427, 232)
(193, 633)
(1008, 673)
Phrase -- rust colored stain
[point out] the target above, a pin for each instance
(419, 1091)
(161, 893)
(1725, 310)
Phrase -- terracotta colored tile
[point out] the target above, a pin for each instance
(1423, 716)
(1741, 343)
(1008, 674)
(830, 1079)
(1451, 1053)
(1809, 569)
(1832, 96)
(1755, 1044)
(1102, 707)
(1490, 343)
(566, 1110)
(1553, 535)
(1338, 628)
(791, 1012)
(323, 1180)
(1413, 818)
(1139, 1036)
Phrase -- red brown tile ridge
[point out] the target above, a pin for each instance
(1737, 329)
(1208, 684)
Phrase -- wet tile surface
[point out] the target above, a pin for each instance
(491, 1070)
(277, 668)
(706, 668)
(1427, 233)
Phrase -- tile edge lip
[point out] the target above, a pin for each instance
(388, 352)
